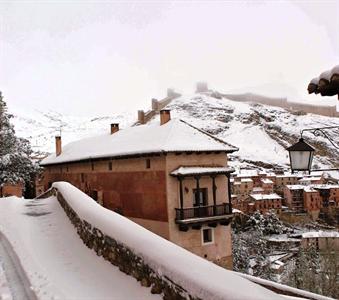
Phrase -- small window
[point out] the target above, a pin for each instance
(110, 166)
(61, 169)
(207, 236)
(82, 177)
(148, 163)
(67, 169)
(92, 166)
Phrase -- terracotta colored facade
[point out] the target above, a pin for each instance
(266, 202)
(142, 189)
(311, 199)
(12, 190)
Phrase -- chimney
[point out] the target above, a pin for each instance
(141, 116)
(114, 127)
(165, 116)
(58, 145)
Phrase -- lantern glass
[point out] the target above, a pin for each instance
(301, 155)
(301, 160)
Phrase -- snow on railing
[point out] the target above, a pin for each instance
(284, 289)
(198, 277)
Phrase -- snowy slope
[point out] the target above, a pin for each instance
(261, 132)
(41, 127)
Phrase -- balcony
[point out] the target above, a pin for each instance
(210, 215)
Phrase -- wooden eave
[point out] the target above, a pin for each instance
(128, 156)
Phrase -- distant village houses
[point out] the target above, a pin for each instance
(254, 190)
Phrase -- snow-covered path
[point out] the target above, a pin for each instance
(58, 264)
(14, 283)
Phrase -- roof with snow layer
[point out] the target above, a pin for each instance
(174, 136)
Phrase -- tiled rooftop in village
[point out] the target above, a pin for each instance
(267, 181)
(307, 179)
(312, 187)
(258, 197)
(246, 180)
(258, 189)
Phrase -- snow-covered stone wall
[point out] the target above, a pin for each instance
(155, 262)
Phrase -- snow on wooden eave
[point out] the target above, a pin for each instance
(201, 170)
(174, 136)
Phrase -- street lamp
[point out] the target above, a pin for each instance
(301, 153)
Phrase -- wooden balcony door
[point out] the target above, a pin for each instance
(199, 199)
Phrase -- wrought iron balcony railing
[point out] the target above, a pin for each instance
(203, 211)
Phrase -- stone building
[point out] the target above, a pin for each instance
(171, 178)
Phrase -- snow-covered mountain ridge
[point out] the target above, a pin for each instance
(261, 132)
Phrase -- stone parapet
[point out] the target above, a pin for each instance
(121, 256)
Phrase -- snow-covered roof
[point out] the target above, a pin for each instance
(286, 175)
(258, 197)
(325, 83)
(246, 180)
(258, 189)
(247, 173)
(324, 234)
(295, 186)
(265, 180)
(305, 179)
(312, 187)
(174, 136)
(186, 171)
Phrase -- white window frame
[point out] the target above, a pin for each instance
(202, 235)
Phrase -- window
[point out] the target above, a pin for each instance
(82, 177)
(148, 163)
(207, 236)
(92, 166)
(200, 197)
(110, 166)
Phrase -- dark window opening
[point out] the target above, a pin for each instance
(92, 166)
(82, 177)
(94, 195)
(200, 197)
(148, 163)
(110, 166)
(207, 235)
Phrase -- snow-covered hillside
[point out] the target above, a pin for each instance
(41, 127)
(261, 132)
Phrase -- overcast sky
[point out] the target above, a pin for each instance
(100, 57)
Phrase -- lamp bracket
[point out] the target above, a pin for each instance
(322, 131)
